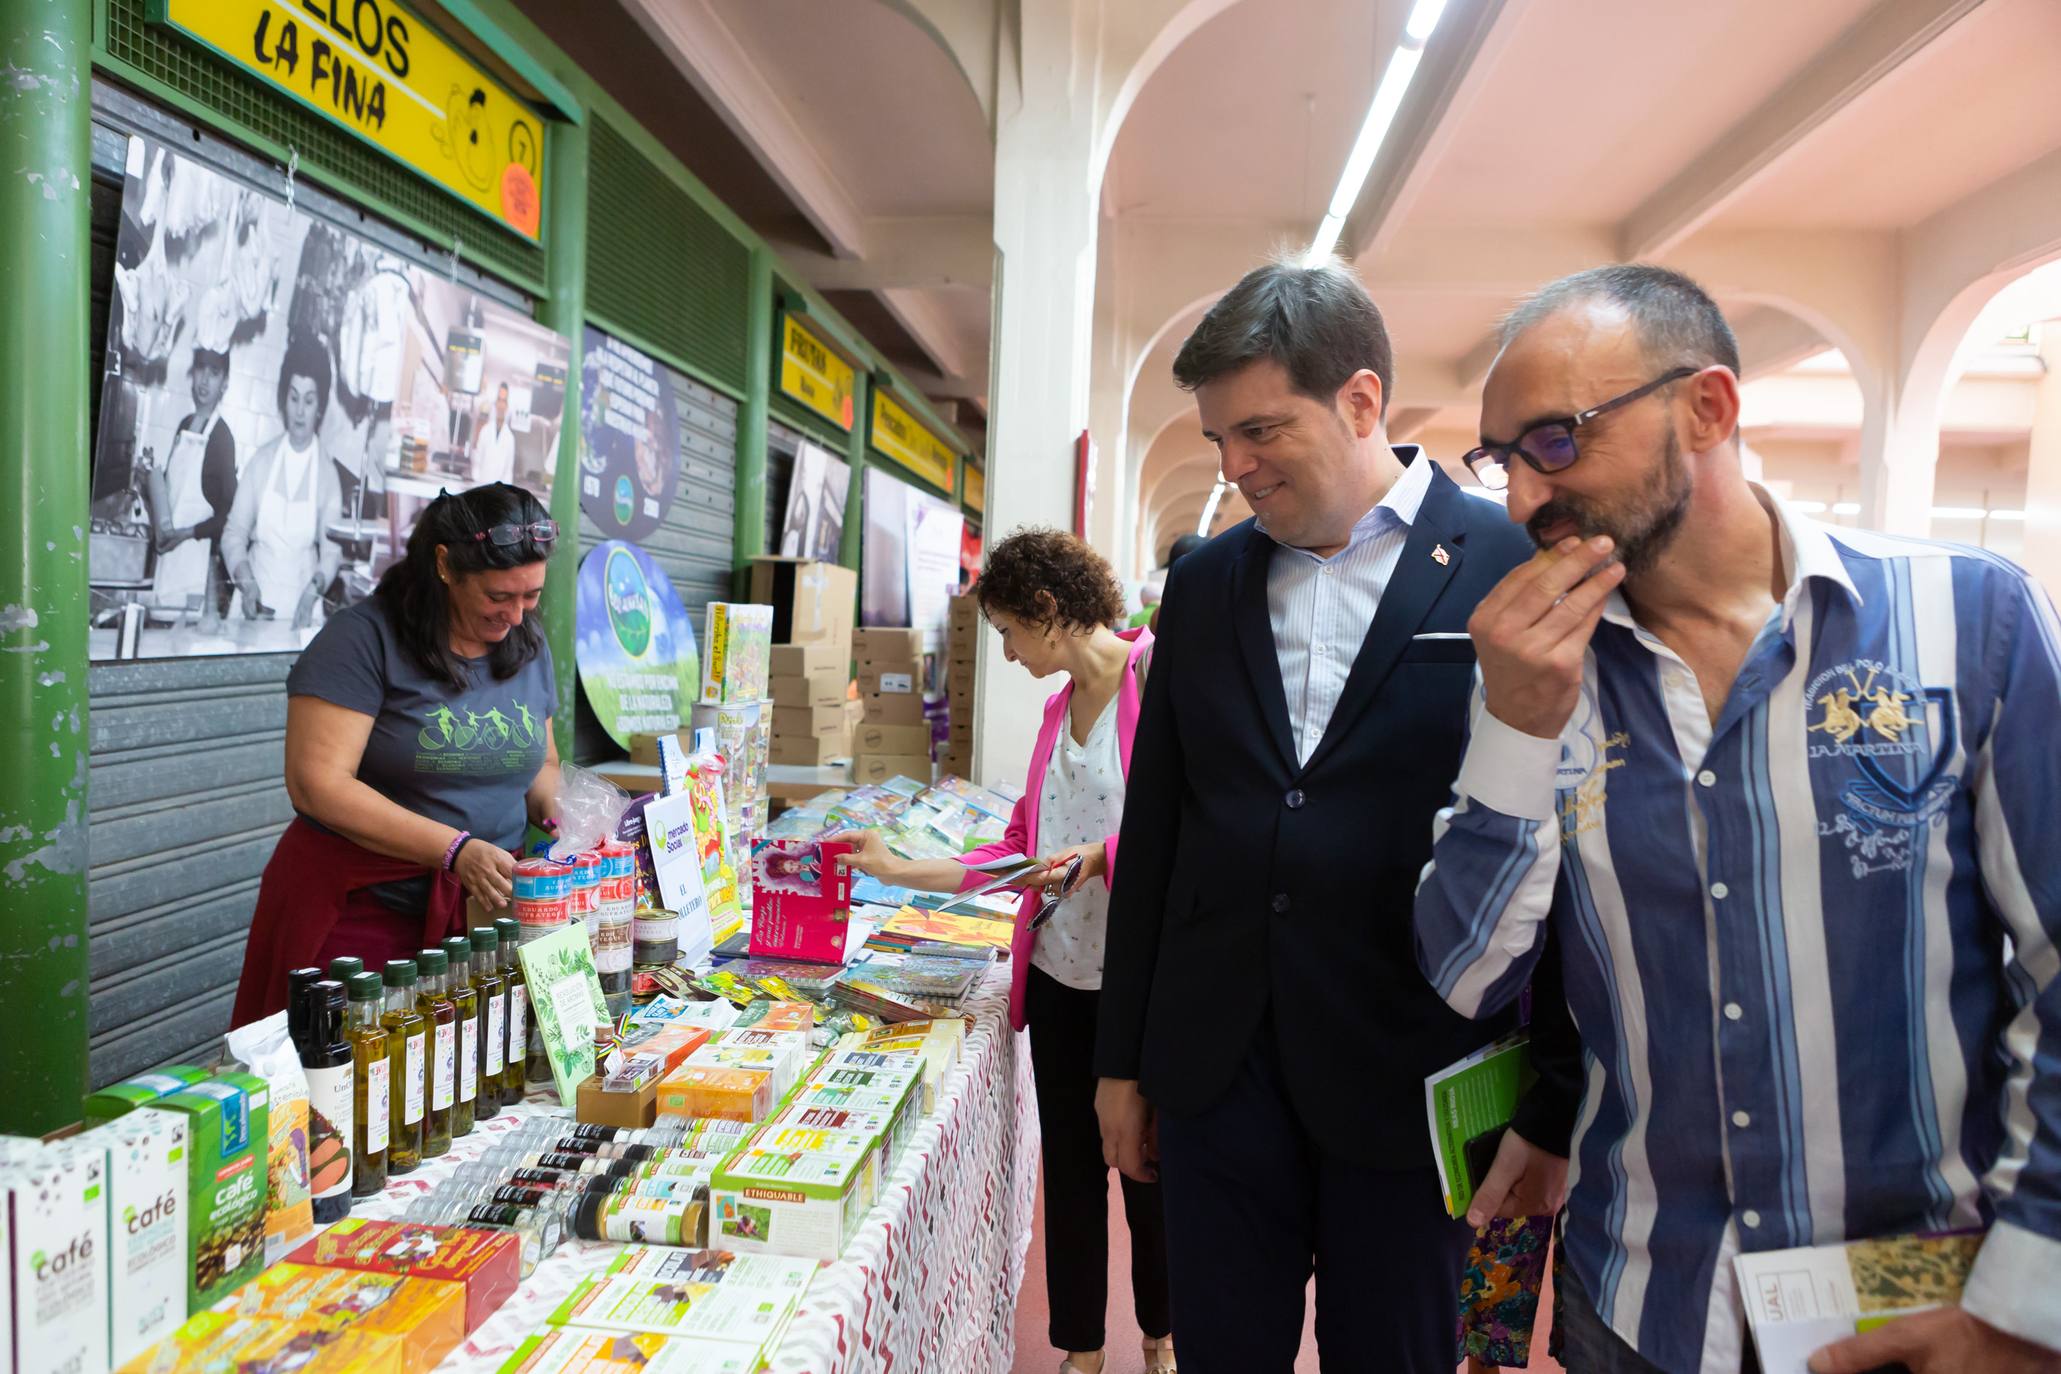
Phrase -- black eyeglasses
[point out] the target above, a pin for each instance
(1549, 445)
(508, 535)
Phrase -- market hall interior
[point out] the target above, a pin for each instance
(875, 266)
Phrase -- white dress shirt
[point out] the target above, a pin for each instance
(1322, 608)
(1083, 803)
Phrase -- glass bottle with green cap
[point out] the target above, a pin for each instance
(407, 1057)
(517, 1045)
(343, 968)
(433, 966)
(372, 1084)
(492, 991)
(458, 951)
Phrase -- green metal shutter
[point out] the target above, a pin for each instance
(662, 273)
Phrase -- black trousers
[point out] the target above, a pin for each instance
(1062, 1039)
(1254, 1205)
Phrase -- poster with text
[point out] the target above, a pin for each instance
(280, 399)
(816, 495)
(629, 438)
(634, 644)
(933, 543)
(883, 551)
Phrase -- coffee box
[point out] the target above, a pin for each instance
(228, 1123)
(119, 1099)
(55, 1244)
(149, 1218)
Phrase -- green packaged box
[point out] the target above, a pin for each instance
(225, 1182)
(119, 1099)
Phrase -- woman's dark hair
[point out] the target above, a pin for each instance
(306, 357)
(420, 604)
(1083, 591)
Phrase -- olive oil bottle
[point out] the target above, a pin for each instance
(372, 1114)
(458, 951)
(326, 1059)
(517, 1045)
(493, 1017)
(442, 1014)
(407, 1057)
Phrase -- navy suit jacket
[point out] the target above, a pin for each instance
(1253, 886)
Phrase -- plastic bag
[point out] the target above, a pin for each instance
(264, 1048)
(589, 806)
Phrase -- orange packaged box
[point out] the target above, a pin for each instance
(426, 1316)
(488, 1263)
(218, 1343)
(670, 1044)
(787, 1016)
(726, 1094)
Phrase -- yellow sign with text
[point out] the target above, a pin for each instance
(380, 72)
(976, 490)
(902, 437)
(813, 375)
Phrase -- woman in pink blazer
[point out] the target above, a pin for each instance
(1056, 603)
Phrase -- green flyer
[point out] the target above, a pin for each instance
(566, 1001)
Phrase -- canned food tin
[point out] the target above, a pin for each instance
(585, 891)
(655, 936)
(542, 894)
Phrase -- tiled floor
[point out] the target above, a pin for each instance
(1035, 1356)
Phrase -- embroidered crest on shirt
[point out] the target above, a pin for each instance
(1585, 767)
(1902, 737)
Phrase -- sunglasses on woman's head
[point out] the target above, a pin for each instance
(1549, 446)
(510, 534)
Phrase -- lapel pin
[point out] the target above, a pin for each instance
(1439, 555)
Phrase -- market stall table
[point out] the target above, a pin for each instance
(930, 1280)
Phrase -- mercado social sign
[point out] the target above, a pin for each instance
(374, 68)
(813, 375)
(634, 644)
(901, 436)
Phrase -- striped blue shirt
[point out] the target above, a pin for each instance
(1322, 608)
(1811, 947)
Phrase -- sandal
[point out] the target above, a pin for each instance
(1067, 1366)
(1159, 1356)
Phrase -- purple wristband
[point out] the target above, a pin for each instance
(451, 854)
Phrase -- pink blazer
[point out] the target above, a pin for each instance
(1022, 835)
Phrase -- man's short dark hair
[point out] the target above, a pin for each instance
(1318, 322)
(1678, 324)
(1183, 546)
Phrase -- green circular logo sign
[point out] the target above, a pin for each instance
(625, 500)
(629, 603)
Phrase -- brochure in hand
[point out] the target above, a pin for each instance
(1798, 1301)
(1469, 1103)
(1005, 872)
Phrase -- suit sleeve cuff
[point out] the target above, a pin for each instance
(1509, 771)
(2011, 1286)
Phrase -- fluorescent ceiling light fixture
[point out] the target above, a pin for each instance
(1424, 16)
(1209, 508)
(1808, 507)
(1846, 508)
(2007, 515)
(1959, 513)
(1381, 112)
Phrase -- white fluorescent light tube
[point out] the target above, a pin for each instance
(2007, 515)
(1808, 507)
(1209, 510)
(1846, 508)
(1388, 98)
(1424, 17)
(1327, 237)
(1958, 512)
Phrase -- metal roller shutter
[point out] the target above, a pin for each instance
(184, 798)
(697, 541)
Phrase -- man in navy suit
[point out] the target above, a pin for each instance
(1265, 1033)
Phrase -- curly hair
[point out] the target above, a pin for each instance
(1081, 588)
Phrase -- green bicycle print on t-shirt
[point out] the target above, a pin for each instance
(476, 733)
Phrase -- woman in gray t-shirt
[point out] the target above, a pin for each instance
(418, 749)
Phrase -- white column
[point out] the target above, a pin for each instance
(1900, 455)
(1046, 190)
(2043, 469)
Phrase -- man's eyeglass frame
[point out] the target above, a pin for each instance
(1490, 463)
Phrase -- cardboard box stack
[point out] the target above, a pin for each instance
(893, 738)
(962, 642)
(812, 657)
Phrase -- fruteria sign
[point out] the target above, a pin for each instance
(377, 70)
(901, 436)
(813, 375)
